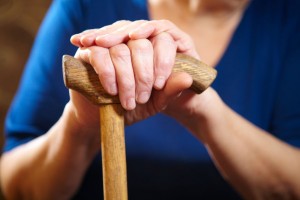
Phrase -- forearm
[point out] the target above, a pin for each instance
(257, 164)
(51, 166)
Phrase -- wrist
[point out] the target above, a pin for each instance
(208, 114)
(77, 134)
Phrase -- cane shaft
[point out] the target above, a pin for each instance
(113, 152)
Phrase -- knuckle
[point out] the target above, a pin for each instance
(166, 38)
(122, 22)
(120, 51)
(88, 31)
(138, 22)
(185, 39)
(98, 57)
(127, 84)
(164, 67)
(106, 75)
(107, 72)
(120, 26)
(166, 23)
(186, 43)
(84, 39)
(145, 79)
(140, 46)
(97, 53)
(188, 39)
(165, 63)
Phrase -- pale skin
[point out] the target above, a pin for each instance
(237, 147)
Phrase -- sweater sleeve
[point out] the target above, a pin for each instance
(41, 96)
(286, 118)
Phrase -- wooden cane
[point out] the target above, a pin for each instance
(81, 77)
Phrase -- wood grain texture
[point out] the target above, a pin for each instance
(113, 152)
(81, 77)
(202, 74)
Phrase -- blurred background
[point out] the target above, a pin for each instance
(19, 23)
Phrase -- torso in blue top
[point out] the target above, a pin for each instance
(257, 77)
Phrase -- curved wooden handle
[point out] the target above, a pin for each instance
(80, 76)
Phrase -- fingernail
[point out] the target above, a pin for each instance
(98, 38)
(134, 32)
(85, 40)
(73, 37)
(130, 104)
(101, 38)
(159, 82)
(143, 97)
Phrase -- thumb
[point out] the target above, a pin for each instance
(176, 83)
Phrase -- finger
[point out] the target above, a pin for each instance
(152, 28)
(120, 55)
(176, 83)
(142, 62)
(100, 59)
(89, 39)
(163, 59)
(118, 36)
(75, 39)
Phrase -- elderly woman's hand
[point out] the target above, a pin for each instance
(135, 60)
